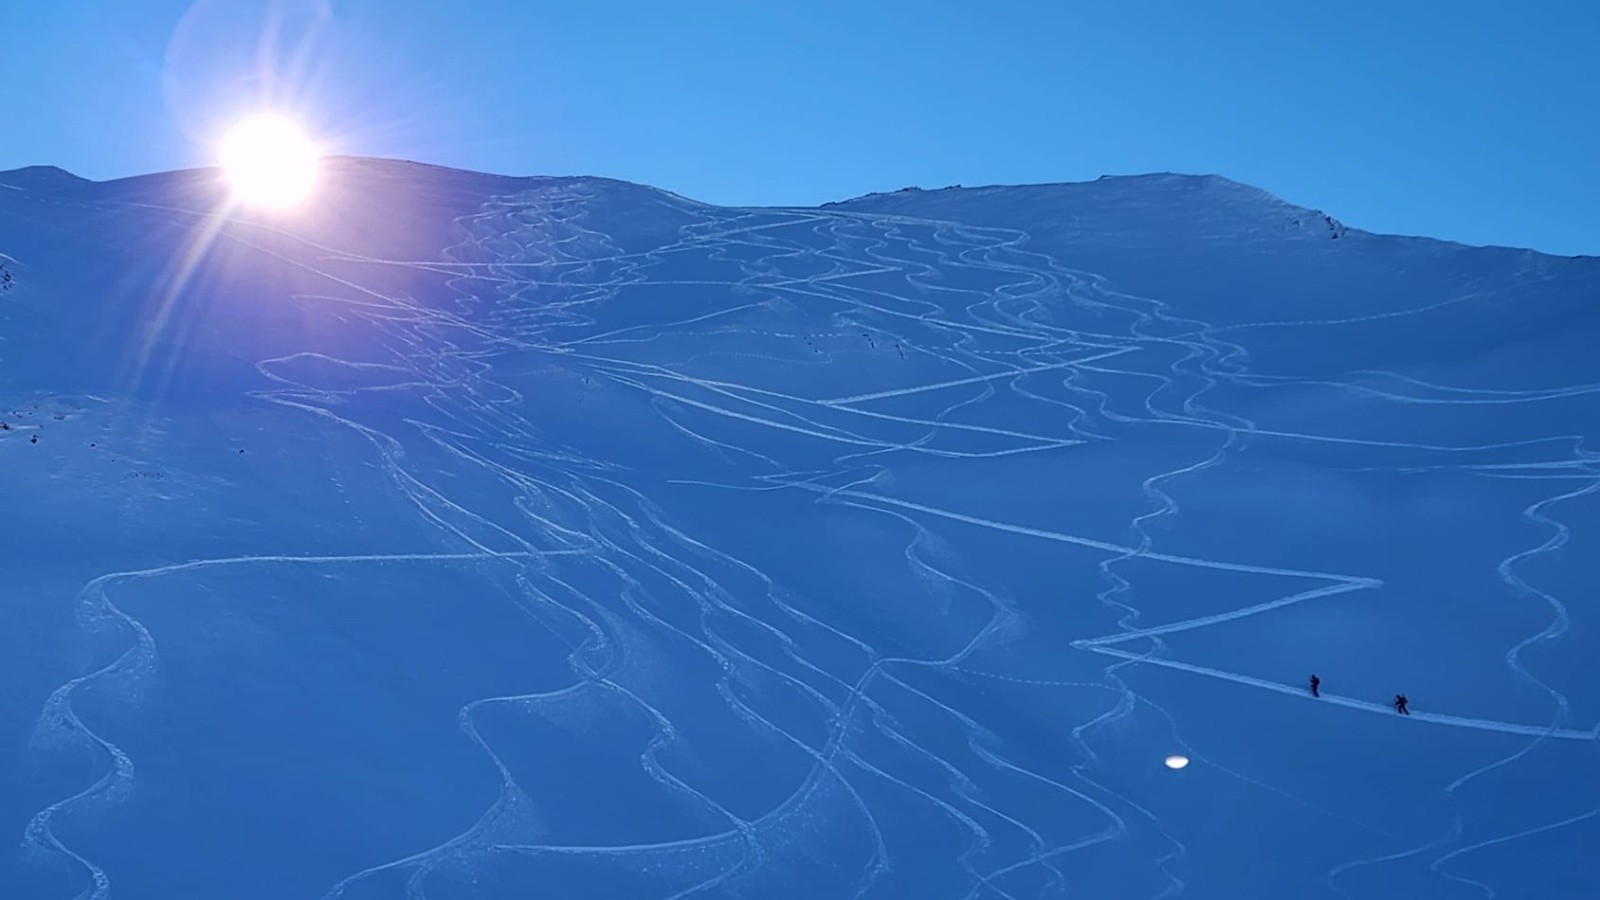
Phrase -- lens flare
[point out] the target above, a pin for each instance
(269, 162)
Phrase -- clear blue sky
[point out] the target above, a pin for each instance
(1473, 121)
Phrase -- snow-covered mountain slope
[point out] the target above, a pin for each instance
(474, 537)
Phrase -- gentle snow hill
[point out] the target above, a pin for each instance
(465, 536)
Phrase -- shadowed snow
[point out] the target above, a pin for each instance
(474, 537)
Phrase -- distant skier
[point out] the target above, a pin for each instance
(1315, 684)
(1400, 702)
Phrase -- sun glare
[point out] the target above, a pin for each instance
(269, 162)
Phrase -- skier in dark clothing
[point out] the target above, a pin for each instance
(1315, 683)
(1400, 702)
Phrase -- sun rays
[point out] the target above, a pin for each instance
(269, 162)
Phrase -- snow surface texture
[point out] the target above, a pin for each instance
(474, 537)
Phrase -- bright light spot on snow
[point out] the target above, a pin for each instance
(1177, 762)
(269, 161)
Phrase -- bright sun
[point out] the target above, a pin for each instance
(269, 161)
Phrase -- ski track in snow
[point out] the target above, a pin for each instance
(533, 272)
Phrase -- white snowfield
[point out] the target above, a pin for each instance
(474, 537)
